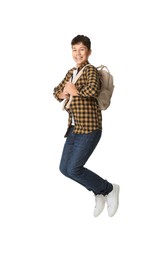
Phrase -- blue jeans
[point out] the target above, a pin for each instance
(77, 150)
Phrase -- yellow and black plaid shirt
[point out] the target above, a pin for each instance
(84, 108)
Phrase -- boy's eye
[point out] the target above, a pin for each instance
(80, 50)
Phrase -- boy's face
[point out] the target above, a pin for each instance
(80, 53)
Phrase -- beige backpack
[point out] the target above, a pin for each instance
(107, 87)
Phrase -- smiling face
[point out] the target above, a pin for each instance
(80, 53)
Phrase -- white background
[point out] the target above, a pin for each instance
(44, 215)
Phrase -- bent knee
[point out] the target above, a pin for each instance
(63, 170)
(74, 172)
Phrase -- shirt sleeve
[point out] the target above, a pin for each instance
(58, 89)
(91, 86)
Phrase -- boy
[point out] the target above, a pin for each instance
(84, 127)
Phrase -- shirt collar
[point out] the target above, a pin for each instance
(79, 68)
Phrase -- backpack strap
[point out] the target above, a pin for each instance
(78, 75)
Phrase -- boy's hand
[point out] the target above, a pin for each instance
(64, 94)
(70, 89)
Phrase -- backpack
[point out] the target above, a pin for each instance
(107, 87)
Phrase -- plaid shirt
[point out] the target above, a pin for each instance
(84, 108)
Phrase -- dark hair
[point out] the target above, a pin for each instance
(82, 38)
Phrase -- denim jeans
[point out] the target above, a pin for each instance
(77, 150)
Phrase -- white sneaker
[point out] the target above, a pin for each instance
(99, 204)
(113, 200)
